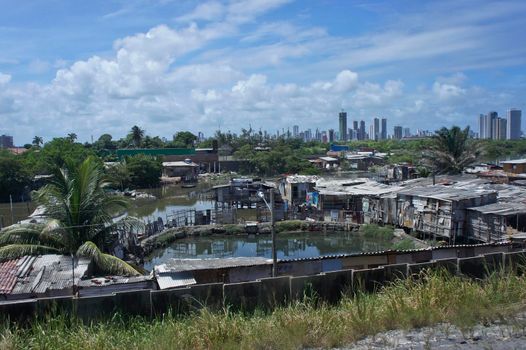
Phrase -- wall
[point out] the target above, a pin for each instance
(265, 293)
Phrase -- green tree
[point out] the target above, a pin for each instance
(72, 137)
(38, 141)
(451, 150)
(137, 135)
(184, 139)
(144, 171)
(80, 220)
(14, 177)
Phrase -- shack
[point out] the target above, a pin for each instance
(186, 170)
(360, 161)
(516, 166)
(294, 188)
(495, 222)
(343, 200)
(439, 210)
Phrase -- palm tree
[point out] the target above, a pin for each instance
(137, 134)
(452, 150)
(37, 141)
(72, 136)
(79, 223)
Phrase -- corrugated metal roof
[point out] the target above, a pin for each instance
(8, 275)
(502, 209)
(176, 279)
(179, 265)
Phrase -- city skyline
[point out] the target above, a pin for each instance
(195, 65)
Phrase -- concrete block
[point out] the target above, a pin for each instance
(395, 272)
(415, 270)
(493, 262)
(54, 306)
(275, 291)
(472, 267)
(178, 301)
(337, 283)
(449, 265)
(307, 286)
(133, 303)
(208, 295)
(368, 280)
(515, 262)
(92, 308)
(243, 296)
(22, 311)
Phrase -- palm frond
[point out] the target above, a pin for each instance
(105, 262)
(13, 251)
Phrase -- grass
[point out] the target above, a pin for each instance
(404, 244)
(377, 232)
(431, 299)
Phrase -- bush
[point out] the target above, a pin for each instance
(405, 244)
(379, 232)
(289, 226)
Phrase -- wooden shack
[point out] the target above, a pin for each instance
(495, 222)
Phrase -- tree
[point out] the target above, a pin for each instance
(14, 177)
(80, 220)
(37, 141)
(136, 135)
(184, 139)
(72, 136)
(451, 150)
(144, 171)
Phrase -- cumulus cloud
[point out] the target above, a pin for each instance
(4, 78)
(446, 91)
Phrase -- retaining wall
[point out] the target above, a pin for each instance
(265, 293)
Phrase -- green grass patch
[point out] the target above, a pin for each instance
(431, 299)
(291, 226)
(377, 232)
(233, 229)
(404, 244)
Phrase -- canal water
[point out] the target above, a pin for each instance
(290, 246)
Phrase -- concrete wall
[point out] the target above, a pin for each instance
(265, 293)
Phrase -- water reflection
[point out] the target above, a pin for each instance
(296, 245)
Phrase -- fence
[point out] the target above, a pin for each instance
(265, 293)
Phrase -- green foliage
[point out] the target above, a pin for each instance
(183, 139)
(79, 211)
(412, 303)
(14, 177)
(143, 171)
(452, 150)
(289, 226)
(233, 229)
(377, 232)
(405, 244)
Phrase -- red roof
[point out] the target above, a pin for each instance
(8, 275)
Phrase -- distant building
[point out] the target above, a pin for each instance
(295, 130)
(397, 134)
(407, 132)
(361, 134)
(488, 125)
(514, 124)
(375, 130)
(500, 129)
(331, 135)
(6, 141)
(343, 126)
(383, 131)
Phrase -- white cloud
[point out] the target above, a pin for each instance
(207, 11)
(4, 78)
(448, 91)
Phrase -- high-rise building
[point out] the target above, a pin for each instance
(383, 131)
(331, 135)
(375, 130)
(500, 129)
(407, 132)
(343, 126)
(6, 141)
(295, 131)
(514, 124)
(397, 134)
(361, 134)
(488, 125)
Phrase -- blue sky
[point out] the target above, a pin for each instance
(102, 66)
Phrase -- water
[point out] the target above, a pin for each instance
(292, 246)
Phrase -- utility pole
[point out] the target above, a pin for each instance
(11, 204)
(273, 234)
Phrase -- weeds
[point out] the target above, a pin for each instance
(432, 298)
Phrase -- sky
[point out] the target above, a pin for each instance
(102, 66)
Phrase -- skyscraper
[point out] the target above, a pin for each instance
(343, 126)
(6, 141)
(295, 131)
(383, 132)
(361, 134)
(375, 130)
(331, 135)
(397, 134)
(514, 124)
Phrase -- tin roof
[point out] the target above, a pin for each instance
(179, 265)
(501, 209)
(357, 187)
